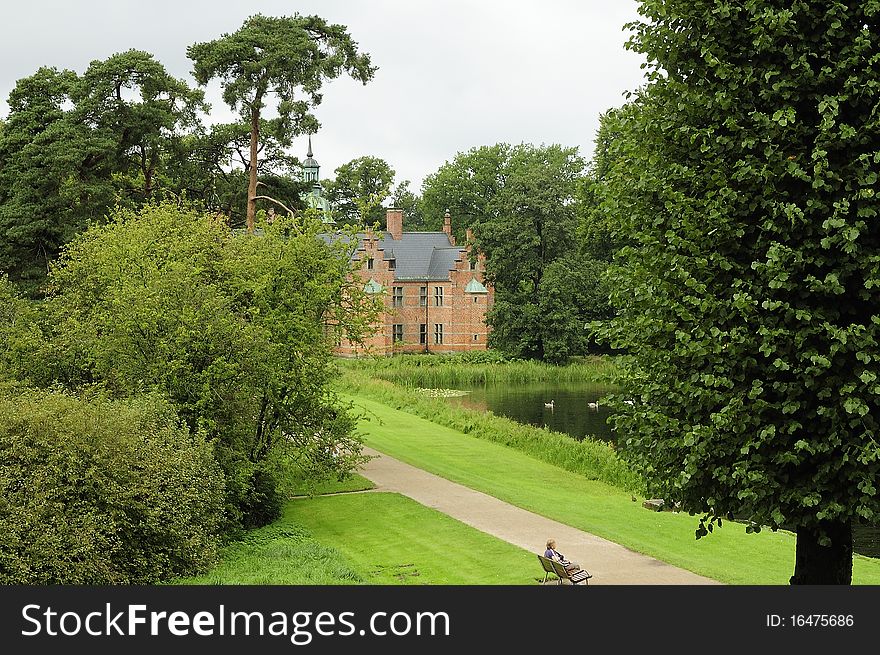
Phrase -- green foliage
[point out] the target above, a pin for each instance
(359, 189)
(259, 58)
(234, 330)
(75, 145)
(287, 58)
(95, 491)
(745, 180)
(487, 367)
(131, 102)
(54, 176)
(599, 232)
(466, 187)
(519, 200)
(573, 293)
(209, 167)
(414, 218)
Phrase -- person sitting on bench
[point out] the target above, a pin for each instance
(552, 553)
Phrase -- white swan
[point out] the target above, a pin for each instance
(593, 405)
(550, 404)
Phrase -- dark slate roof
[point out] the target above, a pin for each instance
(418, 255)
(443, 261)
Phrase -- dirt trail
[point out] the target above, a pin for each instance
(609, 563)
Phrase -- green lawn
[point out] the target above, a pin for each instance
(391, 539)
(352, 482)
(372, 538)
(728, 555)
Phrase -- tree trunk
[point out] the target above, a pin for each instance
(148, 177)
(817, 564)
(252, 168)
(148, 183)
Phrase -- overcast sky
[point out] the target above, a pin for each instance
(452, 74)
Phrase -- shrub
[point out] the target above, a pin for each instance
(236, 331)
(96, 491)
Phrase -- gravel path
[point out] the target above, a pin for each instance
(610, 563)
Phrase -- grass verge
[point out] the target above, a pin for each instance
(301, 486)
(728, 555)
(478, 368)
(379, 538)
(592, 459)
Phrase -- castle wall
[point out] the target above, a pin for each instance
(462, 315)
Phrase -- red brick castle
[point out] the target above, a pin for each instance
(434, 293)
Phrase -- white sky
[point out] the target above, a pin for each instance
(452, 74)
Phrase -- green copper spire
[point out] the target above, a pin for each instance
(310, 166)
(314, 197)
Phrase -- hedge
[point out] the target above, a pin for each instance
(97, 491)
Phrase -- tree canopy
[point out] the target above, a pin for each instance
(402, 197)
(520, 202)
(359, 189)
(236, 331)
(282, 58)
(74, 146)
(132, 101)
(746, 183)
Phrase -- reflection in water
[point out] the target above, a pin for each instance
(577, 410)
(568, 411)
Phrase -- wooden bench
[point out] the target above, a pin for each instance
(548, 568)
(561, 573)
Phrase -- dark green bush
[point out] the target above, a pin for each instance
(231, 329)
(264, 502)
(98, 491)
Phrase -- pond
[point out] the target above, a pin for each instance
(571, 414)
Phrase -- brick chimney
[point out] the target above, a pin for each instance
(447, 227)
(469, 235)
(394, 222)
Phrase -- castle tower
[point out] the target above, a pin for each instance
(314, 196)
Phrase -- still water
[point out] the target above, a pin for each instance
(570, 412)
(572, 415)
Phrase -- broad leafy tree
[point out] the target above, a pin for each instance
(280, 59)
(747, 185)
(599, 233)
(359, 189)
(520, 202)
(402, 197)
(236, 331)
(466, 187)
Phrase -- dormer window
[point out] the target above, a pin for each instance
(369, 263)
(392, 264)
